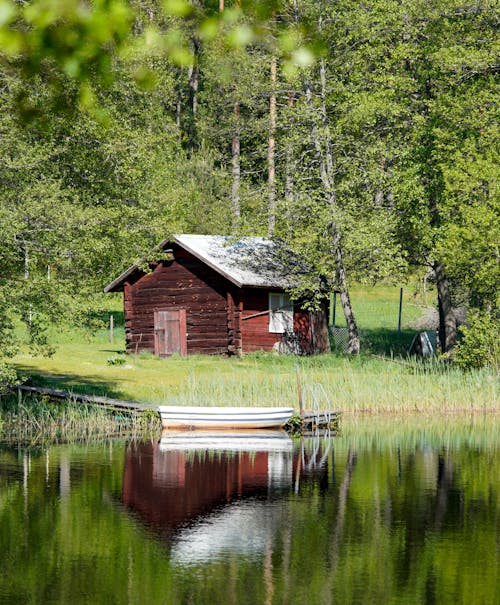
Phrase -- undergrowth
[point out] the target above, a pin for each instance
(35, 419)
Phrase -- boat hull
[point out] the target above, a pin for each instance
(223, 418)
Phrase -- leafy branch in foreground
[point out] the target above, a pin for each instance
(76, 41)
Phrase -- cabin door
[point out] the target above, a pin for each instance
(170, 332)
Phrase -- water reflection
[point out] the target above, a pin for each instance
(209, 494)
(382, 513)
(212, 495)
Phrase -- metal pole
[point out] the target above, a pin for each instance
(111, 328)
(334, 308)
(400, 310)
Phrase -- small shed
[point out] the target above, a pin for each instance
(217, 295)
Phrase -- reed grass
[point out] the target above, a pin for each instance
(358, 387)
(37, 419)
(364, 384)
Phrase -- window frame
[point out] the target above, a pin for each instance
(280, 313)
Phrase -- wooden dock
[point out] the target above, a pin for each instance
(320, 419)
(105, 402)
(311, 419)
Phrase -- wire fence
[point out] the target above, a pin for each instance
(387, 319)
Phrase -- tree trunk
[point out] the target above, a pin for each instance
(193, 75)
(235, 189)
(319, 331)
(289, 185)
(235, 159)
(270, 151)
(327, 175)
(340, 274)
(26, 263)
(178, 106)
(447, 319)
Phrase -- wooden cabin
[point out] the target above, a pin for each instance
(216, 295)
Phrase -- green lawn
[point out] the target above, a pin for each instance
(333, 381)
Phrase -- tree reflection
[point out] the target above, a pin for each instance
(381, 515)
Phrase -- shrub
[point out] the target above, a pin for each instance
(479, 346)
(8, 377)
(116, 361)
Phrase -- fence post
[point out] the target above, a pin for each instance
(111, 328)
(299, 393)
(400, 310)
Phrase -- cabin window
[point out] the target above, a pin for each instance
(280, 313)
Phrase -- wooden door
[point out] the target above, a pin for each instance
(170, 332)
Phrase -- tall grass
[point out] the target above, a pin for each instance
(352, 385)
(363, 385)
(37, 419)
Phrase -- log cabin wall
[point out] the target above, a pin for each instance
(184, 283)
(255, 330)
(234, 323)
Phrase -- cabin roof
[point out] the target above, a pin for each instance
(245, 261)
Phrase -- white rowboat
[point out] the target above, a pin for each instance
(223, 418)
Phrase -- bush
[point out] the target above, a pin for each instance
(479, 346)
(8, 377)
(116, 361)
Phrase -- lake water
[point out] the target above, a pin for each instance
(386, 512)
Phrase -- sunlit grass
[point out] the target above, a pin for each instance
(362, 384)
(377, 307)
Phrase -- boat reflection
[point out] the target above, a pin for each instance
(210, 494)
(227, 441)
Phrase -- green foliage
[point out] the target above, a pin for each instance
(402, 110)
(8, 377)
(447, 177)
(73, 44)
(116, 361)
(8, 345)
(480, 343)
(294, 425)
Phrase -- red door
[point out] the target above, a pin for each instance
(170, 332)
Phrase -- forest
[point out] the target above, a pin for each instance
(362, 134)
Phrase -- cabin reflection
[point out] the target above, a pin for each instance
(209, 495)
(171, 484)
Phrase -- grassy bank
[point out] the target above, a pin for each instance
(37, 420)
(362, 384)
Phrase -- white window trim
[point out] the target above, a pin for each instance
(280, 313)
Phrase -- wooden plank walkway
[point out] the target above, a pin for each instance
(106, 402)
(321, 419)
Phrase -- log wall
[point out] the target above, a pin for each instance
(183, 283)
(255, 330)
(215, 309)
